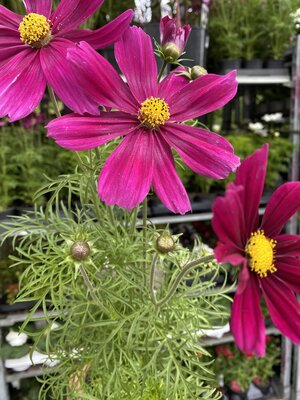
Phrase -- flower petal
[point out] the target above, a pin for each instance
(98, 79)
(283, 204)
(288, 270)
(71, 13)
(10, 44)
(135, 57)
(203, 151)
(166, 182)
(287, 245)
(42, 7)
(105, 35)
(201, 96)
(9, 19)
(126, 177)
(226, 252)
(62, 78)
(75, 132)
(247, 323)
(229, 223)
(251, 175)
(172, 83)
(22, 85)
(283, 307)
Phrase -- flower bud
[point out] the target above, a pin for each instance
(171, 33)
(165, 243)
(80, 250)
(197, 71)
(171, 52)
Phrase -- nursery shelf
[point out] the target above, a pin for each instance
(7, 320)
(30, 373)
(263, 77)
(178, 219)
(207, 342)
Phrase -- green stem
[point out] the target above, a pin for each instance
(54, 102)
(152, 279)
(177, 281)
(111, 216)
(134, 218)
(162, 71)
(90, 288)
(145, 232)
(98, 155)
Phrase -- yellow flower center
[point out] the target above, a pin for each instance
(154, 112)
(35, 30)
(261, 251)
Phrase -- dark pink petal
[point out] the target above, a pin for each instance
(283, 307)
(283, 204)
(126, 177)
(75, 132)
(287, 245)
(22, 85)
(203, 151)
(98, 79)
(42, 7)
(71, 13)
(244, 277)
(226, 252)
(201, 96)
(251, 175)
(135, 57)
(62, 78)
(247, 323)
(166, 182)
(170, 32)
(173, 82)
(229, 222)
(9, 19)
(105, 35)
(288, 270)
(10, 43)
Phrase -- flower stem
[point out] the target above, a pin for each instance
(54, 102)
(152, 278)
(90, 288)
(162, 71)
(145, 232)
(177, 281)
(133, 222)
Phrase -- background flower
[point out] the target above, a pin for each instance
(148, 118)
(33, 51)
(269, 260)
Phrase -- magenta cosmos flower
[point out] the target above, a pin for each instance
(270, 264)
(148, 117)
(33, 51)
(173, 38)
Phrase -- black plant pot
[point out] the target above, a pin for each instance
(265, 389)
(276, 106)
(152, 29)
(233, 395)
(230, 64)
(196, 50)
(255, 63)
(274, 64)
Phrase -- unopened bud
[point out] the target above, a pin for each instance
(80, 250)
(165, 243)
(197, 71)
(171, 52)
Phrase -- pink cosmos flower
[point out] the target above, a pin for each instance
(148, 117)
(172, 34)
(33, 51)
(270, 264)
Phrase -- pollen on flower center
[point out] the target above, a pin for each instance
(154, 112)
(35, 30)
(261, 252)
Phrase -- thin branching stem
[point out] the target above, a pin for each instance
(191, 265)
(152, 279)
(145, 205)
(90, 288)
(162, 70)
(133, 222)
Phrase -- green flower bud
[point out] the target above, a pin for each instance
(165, 243)
(171, 52)
(80, 250)
(197, 71)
